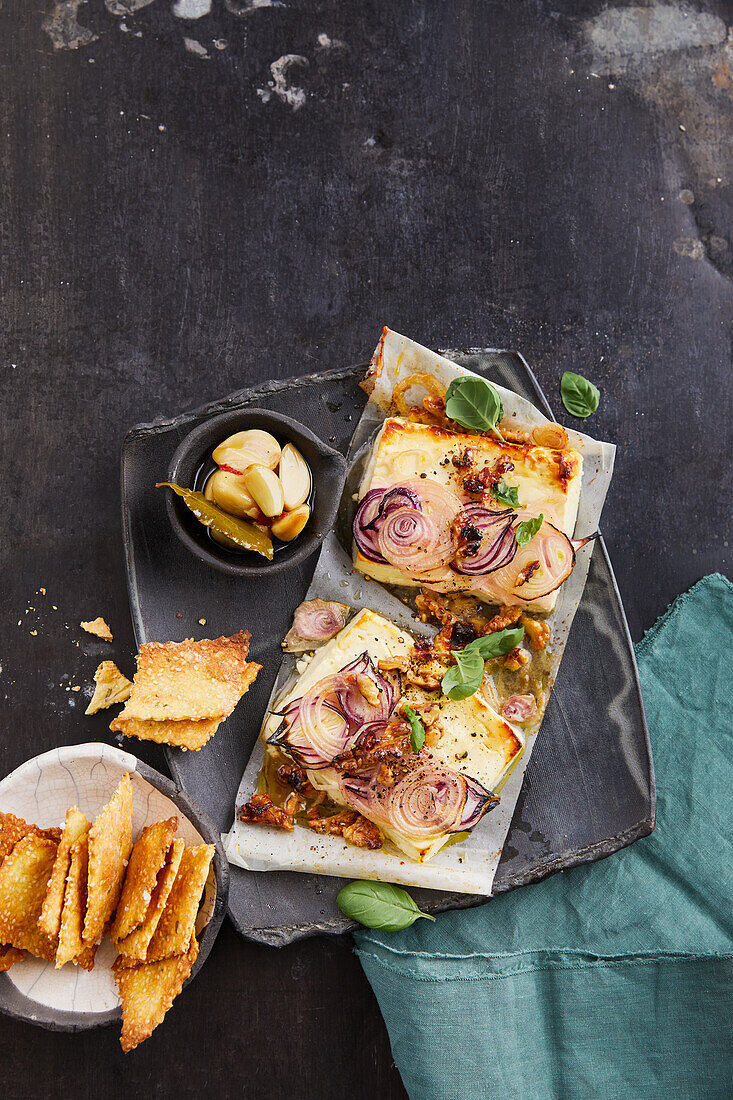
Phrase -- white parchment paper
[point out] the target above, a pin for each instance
(468, 867)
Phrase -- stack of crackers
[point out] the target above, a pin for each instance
(60, 890)
(183, 691)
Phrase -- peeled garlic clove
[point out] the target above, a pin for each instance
(288, 527)
(266, 490)
(230, 493)
(251, 448)
(295, 476)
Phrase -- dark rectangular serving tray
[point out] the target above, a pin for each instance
(589, 786)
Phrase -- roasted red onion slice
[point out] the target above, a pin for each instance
(313, 734)
(399, 497)
(334, 712)
(408, 526)
(498, 544)
(431, 800)
(420, 540)
(365, 535)
(411, 541)
(519, 708)
(355, 705)
(314, 622)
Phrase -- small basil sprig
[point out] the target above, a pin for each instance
(474, 403)
(579, 396)
(379, 905)
(464, 677)
(506, 494)
(417, 729)
(526, 531)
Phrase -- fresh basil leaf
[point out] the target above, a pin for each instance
(498, 643)
(417, 729)
(379, 905)
(474, 403)
(464, 677)
(579, 396)
(525, 532)
(506, 494)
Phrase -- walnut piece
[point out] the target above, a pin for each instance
(261, 810)
(538, 631)
(354, 828)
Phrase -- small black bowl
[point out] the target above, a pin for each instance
(193, 457)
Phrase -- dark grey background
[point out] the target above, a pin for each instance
(461, 171)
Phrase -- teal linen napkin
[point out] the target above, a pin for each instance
(611, 980)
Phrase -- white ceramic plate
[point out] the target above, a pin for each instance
(40, 791)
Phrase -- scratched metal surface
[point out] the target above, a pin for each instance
(463, 172)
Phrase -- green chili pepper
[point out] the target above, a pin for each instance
(240, 531)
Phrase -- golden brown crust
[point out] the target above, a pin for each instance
(189, 680)
(99, 628)
(110, 844)
(76, 826)
(135, 946)
(186, 735)
(71, 947)
(557, 467)
(147, 860)
(148, 991)
(24, 876)
(9, 956)
(110, 687)
(13, 829)
(178, 919)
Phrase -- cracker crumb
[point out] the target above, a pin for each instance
(99, 628)
(34, 633)
(202, 622)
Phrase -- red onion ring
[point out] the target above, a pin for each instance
(498, 544)
(550, 547)
(413, 543)
(315, 735)
(333, 713)
(398, 497)
(428, 802)
(318, 620)
(365, 535)
(519, 708)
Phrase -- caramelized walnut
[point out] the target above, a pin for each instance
(368, 689)
(290, 775)
(363, 834)
(515, 659)
(350, 825)
(527, 573)
(261, 810)
(505, 617)
(483, 480)
(465, 460)
(538, 631)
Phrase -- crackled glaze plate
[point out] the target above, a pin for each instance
(86, 776)
(589, 786)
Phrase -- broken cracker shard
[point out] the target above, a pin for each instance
(110, 687)
(183, 691)
(98, 627)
